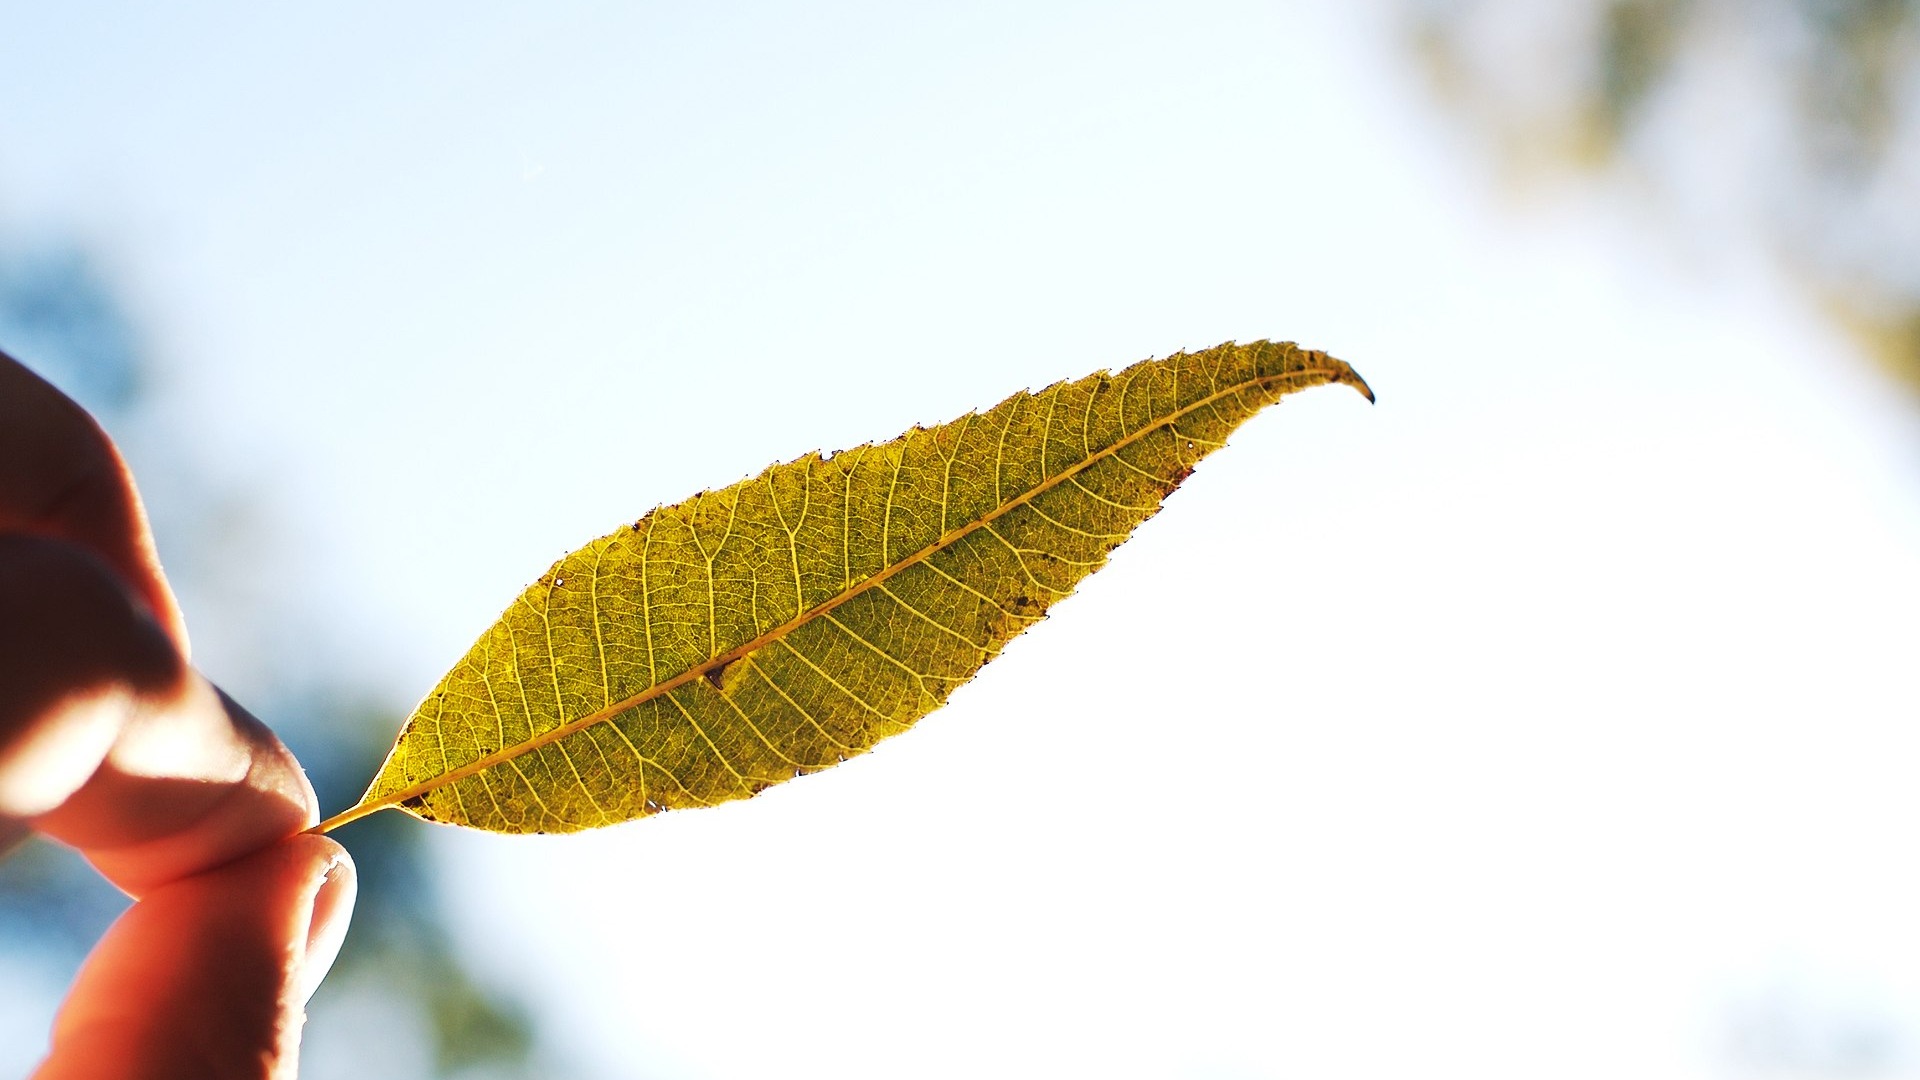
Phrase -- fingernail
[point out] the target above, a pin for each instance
(332, 911)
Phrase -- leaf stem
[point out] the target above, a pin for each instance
(351, 813)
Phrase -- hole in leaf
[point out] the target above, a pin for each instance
(717, 672)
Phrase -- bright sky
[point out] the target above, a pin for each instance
(1552, 717)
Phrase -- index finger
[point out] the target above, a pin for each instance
(109, 740)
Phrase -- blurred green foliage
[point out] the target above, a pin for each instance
(1797, 121)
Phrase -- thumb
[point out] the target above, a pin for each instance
(208, 977)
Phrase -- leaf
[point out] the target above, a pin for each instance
(784, 624)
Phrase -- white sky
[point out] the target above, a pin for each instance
(1553, 716)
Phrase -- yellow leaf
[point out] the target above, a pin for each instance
(779, 626)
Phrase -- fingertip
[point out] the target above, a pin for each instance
(333, 902)
(275, 770)
(193, 781)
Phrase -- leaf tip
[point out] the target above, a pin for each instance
(1343, 373)
(1354, 380)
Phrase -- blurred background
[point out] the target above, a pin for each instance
(1554, 716)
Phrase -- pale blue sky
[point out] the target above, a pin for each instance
(1544, 718)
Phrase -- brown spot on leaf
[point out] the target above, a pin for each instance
(718, 672)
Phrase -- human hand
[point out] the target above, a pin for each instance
(111, 742)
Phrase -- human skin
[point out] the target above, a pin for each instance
(111, 742)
